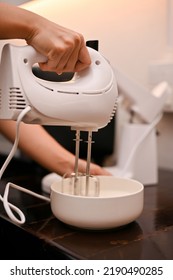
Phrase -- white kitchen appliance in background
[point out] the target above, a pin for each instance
(138, 114)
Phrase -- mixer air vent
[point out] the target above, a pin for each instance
(114, 109)
(16, 99)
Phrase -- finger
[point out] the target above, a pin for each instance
(84, 60)
(68, 64)
(71, 55)
(64, 60)
(77, 61)
(84, 56)
(50, 65)
(68, 61)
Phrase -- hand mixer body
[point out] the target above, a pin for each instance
(87, 102)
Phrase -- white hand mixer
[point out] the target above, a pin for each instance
(87, 102)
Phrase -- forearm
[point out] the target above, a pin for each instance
(36, 143)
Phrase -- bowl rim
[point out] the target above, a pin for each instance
(140, 190)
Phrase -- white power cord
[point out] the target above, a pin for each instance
(7, 205)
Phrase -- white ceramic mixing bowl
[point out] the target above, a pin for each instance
(120, 202)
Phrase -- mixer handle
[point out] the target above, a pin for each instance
(31, 56)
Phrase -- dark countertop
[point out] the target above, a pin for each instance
(44, 237)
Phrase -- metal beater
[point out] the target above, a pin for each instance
(81, 182)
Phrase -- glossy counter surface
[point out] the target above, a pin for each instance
(44, 237)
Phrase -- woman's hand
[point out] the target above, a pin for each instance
(65, 49)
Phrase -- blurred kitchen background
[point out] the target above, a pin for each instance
(133, 35)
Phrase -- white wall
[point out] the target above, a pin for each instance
(131, 34)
